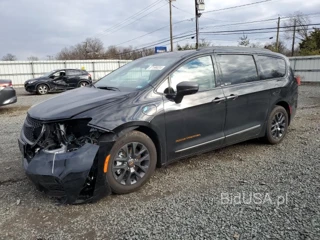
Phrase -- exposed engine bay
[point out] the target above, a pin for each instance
(65, 158)
(61, 137)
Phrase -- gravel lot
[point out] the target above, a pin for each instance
(186, 200)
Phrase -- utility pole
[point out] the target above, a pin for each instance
(197, 23)
(199, 6)
(294, 36)
(86, 49)
(171, 38)
(278, 29)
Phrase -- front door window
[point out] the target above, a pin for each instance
(199, 70)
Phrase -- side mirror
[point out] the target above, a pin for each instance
(186, 88)
(52, 77)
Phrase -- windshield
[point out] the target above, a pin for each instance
(48, 74)
(135, 75)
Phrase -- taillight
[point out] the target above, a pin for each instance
(298, 79)
(9, 84)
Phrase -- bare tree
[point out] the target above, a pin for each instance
(32, 58)
(9, 57)
(273, 47)
(188, 46)
(91, 48)
(112, 53)
(94, 47)
(302, 27)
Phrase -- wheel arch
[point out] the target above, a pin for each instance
(145, 128)
(83, 80)
(286, 106)
(43, 83)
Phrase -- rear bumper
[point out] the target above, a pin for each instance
(7, 96)
(73, 177)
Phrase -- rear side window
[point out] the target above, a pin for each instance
(73, 72)
(271, 67)
(237, 69)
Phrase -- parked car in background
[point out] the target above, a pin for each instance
(7, 93)
(58, 80)
(153, 111)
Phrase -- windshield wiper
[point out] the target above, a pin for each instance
(109, 88)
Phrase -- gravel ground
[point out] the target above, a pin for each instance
(196, 198)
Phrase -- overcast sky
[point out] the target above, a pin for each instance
(43, 27)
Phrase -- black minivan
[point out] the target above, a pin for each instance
(110, 137)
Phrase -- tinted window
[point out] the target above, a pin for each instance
(59, 74)
(73, 72)
(237, 69)
(199, 70)
(270, 67)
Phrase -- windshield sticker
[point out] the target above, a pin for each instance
(156, 68)
(138, 87)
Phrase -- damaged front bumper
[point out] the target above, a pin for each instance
(73, 177)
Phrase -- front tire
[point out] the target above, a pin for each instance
(277, 125)
(42, 89)
(132, 162)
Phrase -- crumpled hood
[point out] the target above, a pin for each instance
(67, 105)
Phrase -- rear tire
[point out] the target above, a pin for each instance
(83, 84)
(277, 125)
(42, 89)
(132, 162)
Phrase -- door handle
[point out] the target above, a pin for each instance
(232, 97)
(218, 100)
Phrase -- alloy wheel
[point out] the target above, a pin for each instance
(131, 163)
(42, 89)
(278, 125)
(83, 84)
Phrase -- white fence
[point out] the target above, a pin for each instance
(20, 71)
(308, 68)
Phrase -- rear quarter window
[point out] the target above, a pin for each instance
(271, 67)
(74, 72)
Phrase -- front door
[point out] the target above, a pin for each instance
(196, 124)
(59, 80)
(247, 98)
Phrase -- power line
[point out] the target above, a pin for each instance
(258, 29)
(238, 6)
(152, 32)
(253, 31)
(230, 32)
(133, 18)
